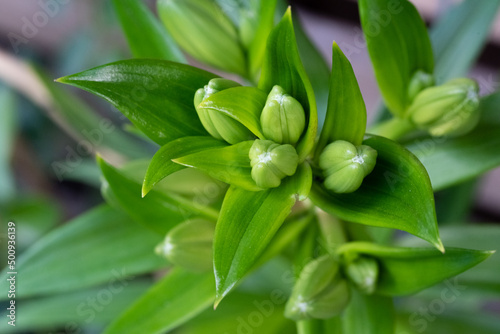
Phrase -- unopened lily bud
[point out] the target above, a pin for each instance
(283, 119)
(219, 125)
(320, 292)
(204, 31)
(345, 165)
(449, 109)
(363, 272)
(419, 81)
(272, 162)
(189, 245)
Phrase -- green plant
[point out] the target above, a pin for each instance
(256, 207)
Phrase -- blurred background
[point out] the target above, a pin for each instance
(48, 176)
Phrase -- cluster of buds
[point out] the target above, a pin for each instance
(345, 165)
(449, 109)
(282, 120)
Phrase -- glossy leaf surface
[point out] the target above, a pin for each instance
(397, 194)
(346, 113)
(157, 96)
(247, 223)
(405, 271)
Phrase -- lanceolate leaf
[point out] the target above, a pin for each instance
(244, 104)
(157, 96)
(485, 275)
(7, 135)
(247, 222)
(146, 37)
(346, 113)
(282, 66)
(158, 211)
(397, 194)
(405, 271)
(100, 246)
(368, 314)
(175, 299)
(459, 36)
(229, 164)
(398, 45)
(162, 165)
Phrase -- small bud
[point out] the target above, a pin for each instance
(189, 245)
(449, 109)
(419, 81)
(363, 272)
(320, 292)
(345, 165)
(204, 31)
(283, 119)
(219, 125)
(272, 162)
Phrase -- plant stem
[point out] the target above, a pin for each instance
(394, 128)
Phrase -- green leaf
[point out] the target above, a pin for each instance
(229, 164)
(162, 165)
(458, 37)
(7, 132)
(257, 48)
(156, 95)
(158, 211)
(244, 104)
(346, 113)
(85, 125)
(405, 271)
(397, 194)
(470, 155)
(246, 225)
(316, 68)
(146, 37)
(368, 314)
(283, 67)
(176, 298)
(485, 275)
(75, 310)
(398, 45)
(100, 246)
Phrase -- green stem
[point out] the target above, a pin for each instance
(394, 128)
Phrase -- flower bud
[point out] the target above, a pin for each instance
(449, 109)
(219, 125)
(320, 292)
(363, 272)
(283, 119)
(419, 81)
(272, 162)
(204, 31)
(189, 245)
(345, 165)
